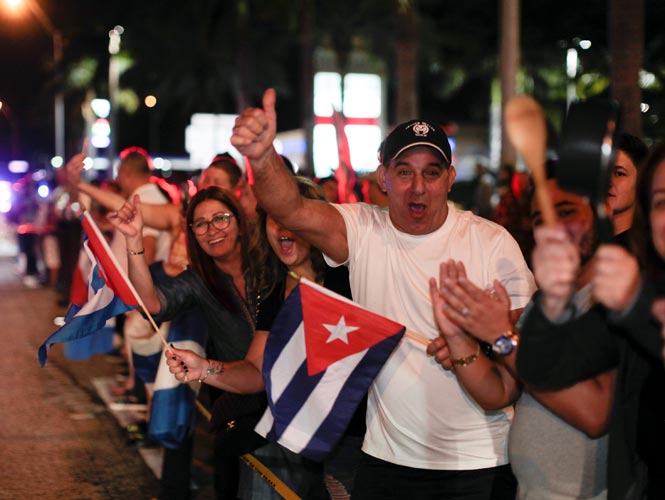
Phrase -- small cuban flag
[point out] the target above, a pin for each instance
(321, 356)
(108, 292)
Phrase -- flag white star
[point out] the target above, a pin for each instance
(340, 331)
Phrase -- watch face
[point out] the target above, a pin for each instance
(503, 346)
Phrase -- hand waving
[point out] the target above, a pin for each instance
(128, 218)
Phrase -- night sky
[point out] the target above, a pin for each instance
(26, 53)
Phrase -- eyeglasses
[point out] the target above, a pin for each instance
(218, 221)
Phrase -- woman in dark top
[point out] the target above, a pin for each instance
(221, 281)
(620, 331)
(288, 258)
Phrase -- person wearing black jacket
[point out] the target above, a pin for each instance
(620, 330)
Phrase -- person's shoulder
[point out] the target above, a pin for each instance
(150, 193)
(363, 212)
(473, 222)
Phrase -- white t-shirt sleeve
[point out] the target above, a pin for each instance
(151, 194)
(357, 217)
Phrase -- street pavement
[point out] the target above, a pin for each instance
(58, 440)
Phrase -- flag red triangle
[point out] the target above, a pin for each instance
(108, 269)
(322, 313)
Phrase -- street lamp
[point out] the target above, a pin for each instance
(114, 84)
(56, 35)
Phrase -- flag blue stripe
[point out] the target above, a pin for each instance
(292, 399)
(145, 366)
(170, 425)
(287, 320)
(350, 396)
(80, 326)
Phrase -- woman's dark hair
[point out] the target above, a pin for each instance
(274, 269)
(640, 232)
(204, 265)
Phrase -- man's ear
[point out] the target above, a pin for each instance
(381, 177)
(452, 173)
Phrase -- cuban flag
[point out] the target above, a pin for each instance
(108, 292)
(321, 356)
(172, 412)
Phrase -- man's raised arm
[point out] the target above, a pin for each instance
(316, 221)
(166, 217)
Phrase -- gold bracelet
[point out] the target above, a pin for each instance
(467, 360)
(212, 371)
(135, 252)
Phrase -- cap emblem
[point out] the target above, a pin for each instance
(421, 129)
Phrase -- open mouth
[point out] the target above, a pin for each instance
(216, 240)
(285, 244)
(417, 209)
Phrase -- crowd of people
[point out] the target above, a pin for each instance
(544, 368)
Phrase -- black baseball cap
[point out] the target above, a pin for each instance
(415, 133)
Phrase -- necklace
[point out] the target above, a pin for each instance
(294, 275)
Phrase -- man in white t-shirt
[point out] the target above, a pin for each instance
(426, 435)
(133, 178)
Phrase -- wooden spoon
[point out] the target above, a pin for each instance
(525, 125)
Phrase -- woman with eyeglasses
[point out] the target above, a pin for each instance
(288, 258)
(222, 280)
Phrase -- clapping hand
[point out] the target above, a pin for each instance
(483, 313)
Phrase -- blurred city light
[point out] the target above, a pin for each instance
(647, 79)
(101, 107)
(362, 110)
(13, 4)
(571, 62)
(43, 191)
(114, 39)
(57, 161)
(150, 101)
(39, 175)
(644, 107)
(162, 163)
(101, 133)
(88, 163)
(5, 196)
(18, 166)
(585, 44)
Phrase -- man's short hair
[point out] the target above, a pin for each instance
(415, 133)
(137, 163)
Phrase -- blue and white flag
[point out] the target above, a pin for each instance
(321, 356)
(172, 411)
(107, 294)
